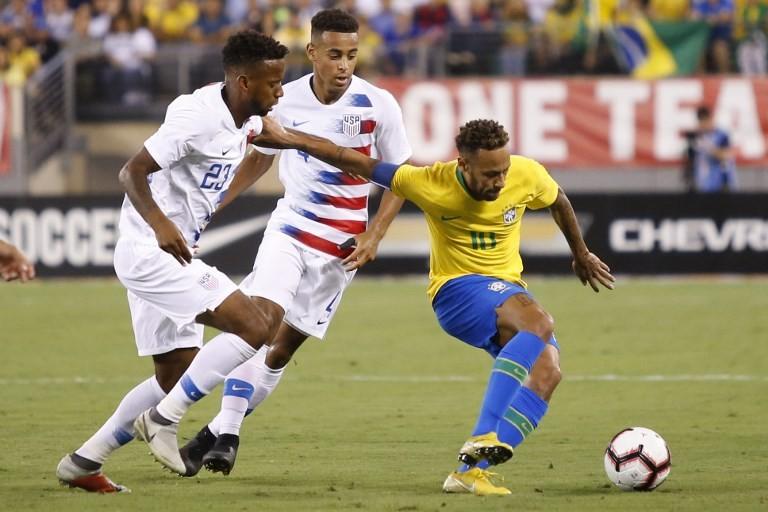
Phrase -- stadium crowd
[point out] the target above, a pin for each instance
(398, 37)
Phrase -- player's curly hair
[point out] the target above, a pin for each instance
(481, 134)
(249, 47)
(334, 20)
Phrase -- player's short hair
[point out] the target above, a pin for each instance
(334, 20)
(481, 134)
(250, 47)
(703, 112)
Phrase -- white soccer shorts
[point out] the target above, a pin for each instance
(165, 297)
(307, 285)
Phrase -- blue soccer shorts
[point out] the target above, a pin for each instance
(466, 309)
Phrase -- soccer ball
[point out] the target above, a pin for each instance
(637, 459)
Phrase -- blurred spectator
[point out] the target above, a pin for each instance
(561, 25)
(237, 10)
(10, 74)
(213, 26)
(396, 31)
(513, 54)
(59, 19)
(370, 48)
(19, 15)
(668, 10)
(259, 18)
(712, 168)
(753, 42)
(295, 35)
(431, 22)
(22, 56)
(80, 39)
(128, 50)
(136, 11)
(101, 19)
(474, 41)
(281, 12)
(719, 15)
(172, 21)
(537, 10)
(308, 8)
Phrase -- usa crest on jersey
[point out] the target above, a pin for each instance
(351, 124)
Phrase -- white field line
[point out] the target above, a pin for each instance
(408, 379)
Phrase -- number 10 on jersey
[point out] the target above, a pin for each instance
(214, 179)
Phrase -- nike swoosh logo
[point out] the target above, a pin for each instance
(299, 124)
(217, 238)
(445, 217)
(240, 389)
(225, 151)
(321, 322)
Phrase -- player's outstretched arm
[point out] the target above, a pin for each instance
(14, 265)
(348, 160)
(133, 178)
(587, 266)
(367, 243)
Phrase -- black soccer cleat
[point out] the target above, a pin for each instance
(221, 458)
(192, 453)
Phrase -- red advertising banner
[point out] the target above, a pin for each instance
(586, 123)
(5, 129)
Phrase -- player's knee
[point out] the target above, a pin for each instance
(542, 326)
(258, 324)
(255, 331)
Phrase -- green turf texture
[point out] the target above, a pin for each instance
(372, 418)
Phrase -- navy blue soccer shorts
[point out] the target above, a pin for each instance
(466, 309)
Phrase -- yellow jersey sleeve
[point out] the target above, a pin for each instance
(413, 183)
(543, 187)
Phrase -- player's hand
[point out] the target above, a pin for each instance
(272, 135)
(366, 246)
(591, 269)
(170, 239)
(14, 265)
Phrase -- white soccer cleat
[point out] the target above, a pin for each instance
(161, 440)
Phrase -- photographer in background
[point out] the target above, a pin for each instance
(709, 165)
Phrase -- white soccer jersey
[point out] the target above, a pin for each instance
(322, 206)
(198, 148)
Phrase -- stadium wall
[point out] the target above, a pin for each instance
(633, 233)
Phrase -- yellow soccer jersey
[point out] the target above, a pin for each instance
(469, 236)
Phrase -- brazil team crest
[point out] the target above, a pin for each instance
(351, 124)
(510, 215)
(498, 286)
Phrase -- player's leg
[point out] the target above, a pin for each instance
(192, 293)
(466, 309)
(316, 297)
(172, 349)
(277, 272)
(244, 389)
(511, 408)
(247, 324)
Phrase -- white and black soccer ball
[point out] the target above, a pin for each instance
(637, 459)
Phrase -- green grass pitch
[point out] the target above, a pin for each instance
(372, 418)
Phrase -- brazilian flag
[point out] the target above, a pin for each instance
(646, 49)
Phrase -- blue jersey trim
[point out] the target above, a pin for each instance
(383, 173)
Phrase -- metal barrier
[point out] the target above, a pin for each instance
(48, 110)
